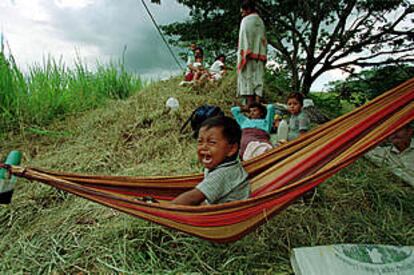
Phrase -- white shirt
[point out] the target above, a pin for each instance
(217, 67)
(400, 163)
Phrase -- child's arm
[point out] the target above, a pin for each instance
(238, 116)
(192, 197)
(304, 123)
(269, 116)
(193, 68)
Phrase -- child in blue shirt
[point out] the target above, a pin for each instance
(256, 128)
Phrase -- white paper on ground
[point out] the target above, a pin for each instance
(354, 259)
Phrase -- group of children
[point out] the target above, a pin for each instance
(260, 122)
(222, 141)
(197, 70)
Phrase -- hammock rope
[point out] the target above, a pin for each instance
(277, 177)
(161, 34)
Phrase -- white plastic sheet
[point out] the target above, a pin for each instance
(354, 259)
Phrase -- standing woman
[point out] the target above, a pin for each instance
(251, 55)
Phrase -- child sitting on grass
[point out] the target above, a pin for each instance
(256, 128)
(299, 122)
(224, 178)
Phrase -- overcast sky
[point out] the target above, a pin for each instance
(96, 30)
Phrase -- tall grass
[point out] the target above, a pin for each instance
(12, 85)
(51, 90)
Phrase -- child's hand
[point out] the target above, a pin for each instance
(244, 108)
(281, 142)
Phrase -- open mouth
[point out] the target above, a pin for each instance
(206, 159)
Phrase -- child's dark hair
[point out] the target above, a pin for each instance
(220, 56)
(248, 5)
(298, 96)
(260, 106)
(231, 129)
(201, 51)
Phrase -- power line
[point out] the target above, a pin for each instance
(162, 35)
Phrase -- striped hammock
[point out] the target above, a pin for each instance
(277, 177)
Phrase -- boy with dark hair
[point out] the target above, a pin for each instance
(249, 5)
(258, 110)
(299, 122)
(399, 155)
(224, 178)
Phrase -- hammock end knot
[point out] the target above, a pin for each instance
(7, 167)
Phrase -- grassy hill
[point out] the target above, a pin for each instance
(45, 230)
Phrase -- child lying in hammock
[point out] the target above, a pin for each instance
(224, 178)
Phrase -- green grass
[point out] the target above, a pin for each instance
(45, 230)
(52, 91)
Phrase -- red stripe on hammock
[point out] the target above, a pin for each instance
(137, 194)
(216, 220)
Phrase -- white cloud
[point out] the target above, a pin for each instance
(77, 4)
(29, 9)
(320, 84)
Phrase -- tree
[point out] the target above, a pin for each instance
(368, 84)
(310, 37)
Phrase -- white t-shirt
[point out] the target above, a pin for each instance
(400, 163)
(217, 67)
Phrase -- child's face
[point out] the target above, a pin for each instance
(255, 113)
(197, 53)
(213, 147)
(244, 12)
(402, 138)
(294, 106)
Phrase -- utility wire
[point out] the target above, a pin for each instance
(162, 35)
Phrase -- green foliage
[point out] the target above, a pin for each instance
(309, 38)
(278, 84)
(368, 84)
(49, 231)
(213, 25)
(329, 103)
(52, 91)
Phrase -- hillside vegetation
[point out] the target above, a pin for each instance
(46, 230)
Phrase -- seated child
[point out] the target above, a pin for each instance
(218, 69)
(224, 178)
(299, 122)
(199, 70)
(194, 60)
(255, 129)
